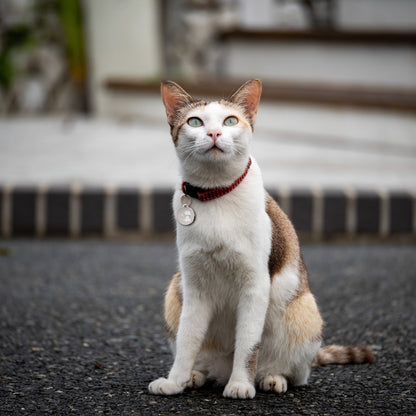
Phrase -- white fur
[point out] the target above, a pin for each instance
(285, 285)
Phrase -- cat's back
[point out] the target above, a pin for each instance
(286, 267)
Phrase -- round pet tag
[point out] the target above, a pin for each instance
(185, 215)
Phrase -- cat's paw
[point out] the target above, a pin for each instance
(165, 387)
(239, 390)
(278, 384)
(197, 379)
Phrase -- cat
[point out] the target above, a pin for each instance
(240, 310)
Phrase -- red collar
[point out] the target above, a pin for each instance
(204, 194)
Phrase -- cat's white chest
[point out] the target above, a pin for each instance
(228, 236)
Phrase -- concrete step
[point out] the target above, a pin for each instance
(79, 211)
(121, 90)
(370, 59)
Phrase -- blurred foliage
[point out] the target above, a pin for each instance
(14, 38)
(47, 22)
(71, 17)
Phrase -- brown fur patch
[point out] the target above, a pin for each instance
(303, 319)
(285, 246)
(173, 306)
(284, 239)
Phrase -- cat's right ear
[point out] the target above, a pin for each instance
(174, 98)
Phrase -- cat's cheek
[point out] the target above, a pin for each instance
(243, 139)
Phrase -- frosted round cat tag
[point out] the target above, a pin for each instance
(185, 215)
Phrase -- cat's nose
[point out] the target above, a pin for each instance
(214, 135)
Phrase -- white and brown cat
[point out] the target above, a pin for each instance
(240, 310)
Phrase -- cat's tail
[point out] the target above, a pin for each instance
(343, 354)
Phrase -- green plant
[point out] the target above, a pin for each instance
(71, 17)
(14, 38)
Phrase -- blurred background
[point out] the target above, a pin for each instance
(73, 55)
(80, 102)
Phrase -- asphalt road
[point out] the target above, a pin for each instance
(81, 332)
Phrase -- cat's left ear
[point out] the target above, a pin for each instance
(174, 98)
(248, 97)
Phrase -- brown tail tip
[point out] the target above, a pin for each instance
(344, 354)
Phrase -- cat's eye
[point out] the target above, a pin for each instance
(230, 121)
(195, 122)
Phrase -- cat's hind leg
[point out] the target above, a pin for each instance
(291, 366)
(198, 379)
(290, 342)
(300, 373)
(211, 364)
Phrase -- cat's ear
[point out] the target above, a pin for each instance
(248, 97)
(174, 98)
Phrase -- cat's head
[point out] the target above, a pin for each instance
(211, 132)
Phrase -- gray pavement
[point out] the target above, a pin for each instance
(81, 332)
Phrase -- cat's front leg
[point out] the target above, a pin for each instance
(194, 321)
(252, 309)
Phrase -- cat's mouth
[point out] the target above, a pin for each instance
(215, 149)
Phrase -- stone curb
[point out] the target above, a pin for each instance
(77, 211)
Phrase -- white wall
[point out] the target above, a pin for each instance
(123, 40)
(350, 14)
(377, 14)
(383, 65)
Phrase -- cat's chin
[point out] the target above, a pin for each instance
(211, 155)
(215, 152)
(216, 155)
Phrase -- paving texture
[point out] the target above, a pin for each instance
(81, 332)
